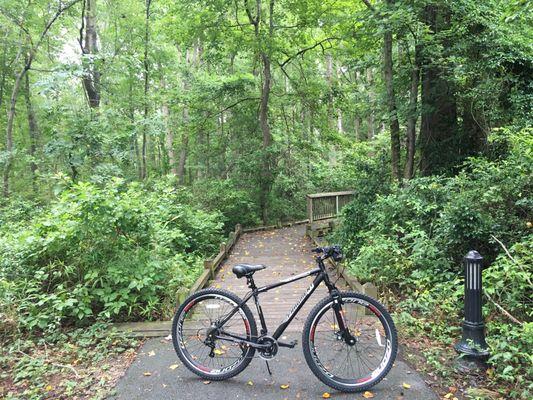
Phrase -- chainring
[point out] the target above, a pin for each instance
(270, 352)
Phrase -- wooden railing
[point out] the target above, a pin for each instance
(327, 205)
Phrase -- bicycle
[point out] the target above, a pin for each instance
(349, 339)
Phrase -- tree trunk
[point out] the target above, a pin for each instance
(340, 127)
(438, 127)
(146, 77)
(267, 136)
(9, 129)
(16, 88)
(411, 119)
(183, 150)
(329, 79)
(357, 128)
(4, 71)
(371, 97)
(266, 75)
(391, 104)
(91, 74)
(33, 130)
(189, 62)
(169, 140)
(169, 137)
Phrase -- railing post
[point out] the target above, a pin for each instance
(310, 208)
(337, 205)
(208, 264)
(473, 347)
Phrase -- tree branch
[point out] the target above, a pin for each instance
(303, 51)
(80, 39)
(512, 259)
(503, 310)
(369, 5)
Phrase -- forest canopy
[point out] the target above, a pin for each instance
(135, 134)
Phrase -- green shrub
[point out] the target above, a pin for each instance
(117, 252)
(411, 240)
(235, 205)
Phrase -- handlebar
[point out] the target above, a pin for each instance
(334, 251)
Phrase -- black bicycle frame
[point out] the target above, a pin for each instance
(321, 276)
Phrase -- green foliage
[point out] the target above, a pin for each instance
(411, 239)
(115, 252)
(235, 205)
(63, 364)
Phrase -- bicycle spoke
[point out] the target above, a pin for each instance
(205, 352)
(346, 362)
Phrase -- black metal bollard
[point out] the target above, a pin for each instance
(473, 346)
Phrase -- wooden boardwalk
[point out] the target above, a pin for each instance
(285, 252)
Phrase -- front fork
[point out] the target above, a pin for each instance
(339, 314)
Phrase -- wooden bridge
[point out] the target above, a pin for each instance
(286, 251)
(156, 373)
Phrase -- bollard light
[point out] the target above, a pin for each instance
(473, 346)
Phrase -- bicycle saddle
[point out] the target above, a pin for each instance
(247, 269)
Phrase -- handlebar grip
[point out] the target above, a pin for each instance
(330, 251)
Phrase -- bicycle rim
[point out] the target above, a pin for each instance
(362, 364)
(193, 326)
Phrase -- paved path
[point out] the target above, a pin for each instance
(287, 253)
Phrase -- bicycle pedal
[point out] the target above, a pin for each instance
(290, 344)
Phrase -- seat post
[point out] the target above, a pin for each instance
(250, 282)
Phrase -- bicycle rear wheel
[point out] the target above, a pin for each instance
(350, 367)
(213, 359)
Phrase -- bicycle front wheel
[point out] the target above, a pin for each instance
(350, 365)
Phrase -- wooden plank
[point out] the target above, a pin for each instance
(201, 281)
(331, 194)
(144, 329)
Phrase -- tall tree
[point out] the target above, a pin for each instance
(394, 124)
(388, 74)
(33, 46)
(146, 82)
(438, 127)
(33, 130)
(258, 21)
(412, 117)
(89, 47)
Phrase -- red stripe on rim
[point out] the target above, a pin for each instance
(247, 325)
(364, 379)
(313, 333)
(203, 368)
(374, 310)
(188, 307)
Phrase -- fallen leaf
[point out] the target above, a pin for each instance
(326, 395)
(147, 373)
(406, 385)
(250, 383)
(284, 386)
(448, 395)
(368, 395)
(151, 354)
(218, 352)
(48, 388)
(174, 366)
(206, 382)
